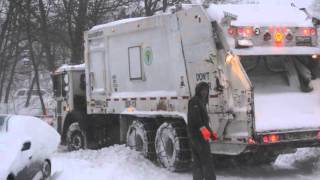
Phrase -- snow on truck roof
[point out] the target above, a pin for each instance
(247, 15)
(261, 15)
(114, 23)
(66, 67)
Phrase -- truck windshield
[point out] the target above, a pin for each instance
(2, 124)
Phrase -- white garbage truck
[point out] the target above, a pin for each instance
(139, 73)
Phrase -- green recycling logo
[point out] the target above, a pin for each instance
(148, 56)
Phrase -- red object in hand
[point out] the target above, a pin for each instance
(205, 133)
(214, 136)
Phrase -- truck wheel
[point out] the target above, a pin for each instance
(172, 146)
(76, 138)
(11, 177)
(140, 137)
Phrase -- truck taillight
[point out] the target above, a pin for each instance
(244, 31)
(274, 138)
(231, 31)
(251, 140)
(306, 32)
(309, 31)
(271, 138)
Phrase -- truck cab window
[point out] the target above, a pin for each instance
(59, 85)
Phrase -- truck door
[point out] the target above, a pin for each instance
(97, 70)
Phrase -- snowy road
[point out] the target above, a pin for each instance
(120, 163)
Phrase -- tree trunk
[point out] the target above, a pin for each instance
(32, 57)
(12, 73)
(30, 92)
(45, 38)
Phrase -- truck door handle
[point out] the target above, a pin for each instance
(91, 77)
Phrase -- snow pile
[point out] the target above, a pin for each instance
(117, 163)
(120, 163)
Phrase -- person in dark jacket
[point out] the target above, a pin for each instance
(200, 133)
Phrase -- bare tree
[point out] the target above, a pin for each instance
(152, 6)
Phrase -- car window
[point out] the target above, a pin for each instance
(2, 124)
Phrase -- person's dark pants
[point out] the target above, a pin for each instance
(203, 168)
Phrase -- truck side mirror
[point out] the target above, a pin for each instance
(316, 21)
(219, 86)
(26, 146)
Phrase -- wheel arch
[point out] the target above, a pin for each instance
(71, 117)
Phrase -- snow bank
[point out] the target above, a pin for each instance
(120, 163)
(117, 163)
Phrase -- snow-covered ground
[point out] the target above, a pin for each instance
(120, 163)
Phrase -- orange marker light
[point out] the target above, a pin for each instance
(273, 138)
(278, 37)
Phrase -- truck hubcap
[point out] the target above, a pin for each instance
(77, 141)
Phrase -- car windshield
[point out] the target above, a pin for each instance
(2, 124)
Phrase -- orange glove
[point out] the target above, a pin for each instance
(205, 133)
(214, 136)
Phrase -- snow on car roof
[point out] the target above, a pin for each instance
(114, 23)
(261, 15)
(66, 67)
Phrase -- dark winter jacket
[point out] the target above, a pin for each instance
(197, 114)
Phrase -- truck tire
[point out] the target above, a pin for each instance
(140, 137)
(11, 177)
(172, 146)
(76, 138)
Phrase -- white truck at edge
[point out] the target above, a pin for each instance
(139, 74)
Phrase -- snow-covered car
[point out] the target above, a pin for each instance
(26, 144)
